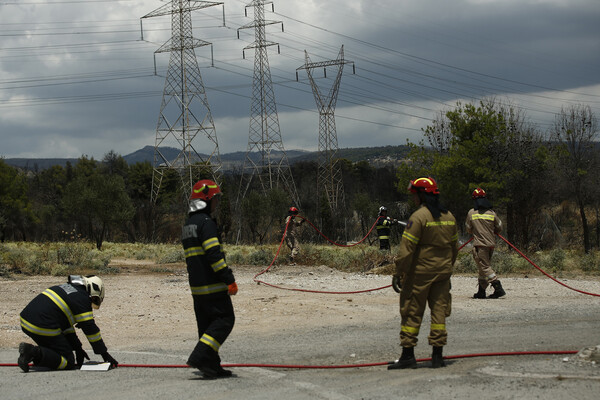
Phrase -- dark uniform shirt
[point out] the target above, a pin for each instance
(383, 227)
(208, 272)
(57, 310)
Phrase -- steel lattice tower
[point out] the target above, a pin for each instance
(329, 176)
(272, 167)
(185, 119)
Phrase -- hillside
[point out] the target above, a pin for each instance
(376, 156)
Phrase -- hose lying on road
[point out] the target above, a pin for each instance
(376, 364)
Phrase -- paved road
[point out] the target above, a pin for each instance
(525, 321)
(540, 376)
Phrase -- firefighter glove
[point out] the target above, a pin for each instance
(108, 358)
(232, 289)
(396, 283)
(80, 355)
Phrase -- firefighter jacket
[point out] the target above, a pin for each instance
(57, 310)
(291, 222)
(208, 272)
(484, 225)
(383, 227)
(428, 245)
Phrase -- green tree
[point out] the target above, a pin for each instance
(574, 134)
(263, 214)
(490, 145)
(46, 191)
(99, 202)
(16, 213)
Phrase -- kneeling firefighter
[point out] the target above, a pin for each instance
(50, 320)
(211, 280)
(428, 250)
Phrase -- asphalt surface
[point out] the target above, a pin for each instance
(530, 318)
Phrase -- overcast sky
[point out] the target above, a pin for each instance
(76, 78)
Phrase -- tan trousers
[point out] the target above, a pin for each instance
(483, 259)
(292, 243)
(418, 291)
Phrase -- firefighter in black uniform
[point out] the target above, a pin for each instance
(384, 224)
(211, 280)
(50, 318)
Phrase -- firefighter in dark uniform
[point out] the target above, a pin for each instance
(383, 227)
(50, 318)
(211, 280)
(428, 250)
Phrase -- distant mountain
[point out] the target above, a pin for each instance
(376, 156)
(33, 164)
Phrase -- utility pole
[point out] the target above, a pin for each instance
(185, 119)
(329, 176)
(271, 168)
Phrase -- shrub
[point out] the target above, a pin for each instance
(260, 256)
(171, 256)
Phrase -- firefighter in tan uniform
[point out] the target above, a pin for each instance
(483, 223)
(428, 250)
(290, 235)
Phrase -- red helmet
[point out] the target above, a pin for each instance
(293, 210)
(205, 190)
(478, 193)
(427, 185)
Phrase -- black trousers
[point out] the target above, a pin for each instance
(215, 319)
(56, 351)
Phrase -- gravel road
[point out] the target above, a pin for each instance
(148, 319)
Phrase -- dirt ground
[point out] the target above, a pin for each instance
(148, 318)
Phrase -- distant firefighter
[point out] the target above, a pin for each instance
(484, 224)
(384, 224)
(290, 235)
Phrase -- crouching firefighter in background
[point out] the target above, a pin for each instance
(428, 250)
(483, 223)
(50, 320)
(211, 280)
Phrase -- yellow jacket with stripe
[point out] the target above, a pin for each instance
(428, 245)
(483, 225)
(57, 310)
(208, 272)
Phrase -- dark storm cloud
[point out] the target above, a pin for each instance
(77, 79)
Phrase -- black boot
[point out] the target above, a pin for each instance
(498, 291)
(27, 353)
(437, 360)
(480, 293)
(407, 359)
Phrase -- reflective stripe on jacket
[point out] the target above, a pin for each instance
(428, 245)
(208, 272)
(57, 310)
(483, 225)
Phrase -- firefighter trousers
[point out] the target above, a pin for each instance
(215, 319)
(418, 291)
(483, 259)
(55, 351)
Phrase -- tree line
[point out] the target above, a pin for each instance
(542, 183)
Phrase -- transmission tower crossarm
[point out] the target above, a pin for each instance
(167, 9)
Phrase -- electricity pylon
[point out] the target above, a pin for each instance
(185, 119)
(271, 168)
(329, 177)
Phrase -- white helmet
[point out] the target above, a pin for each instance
(95, 287)
(382, 209)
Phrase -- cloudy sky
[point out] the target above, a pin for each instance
(77, 79)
